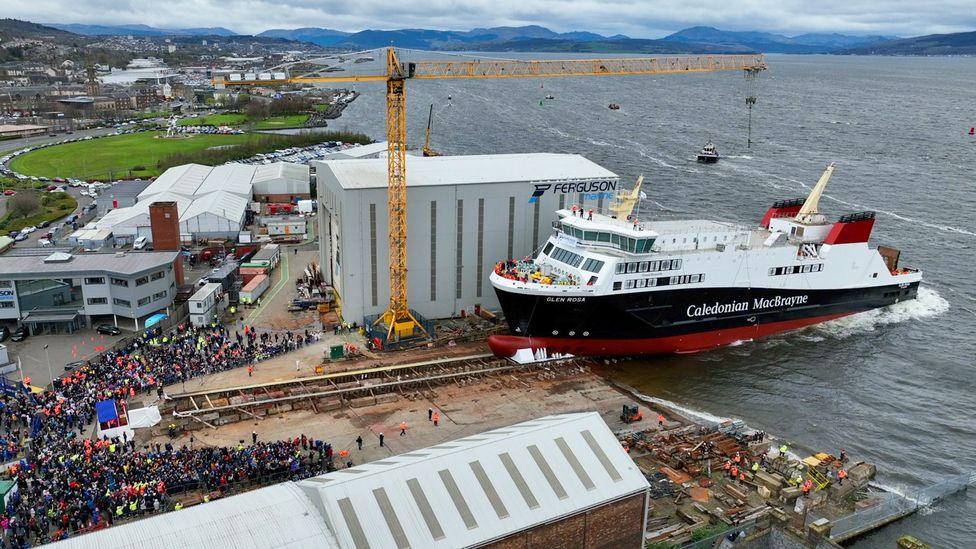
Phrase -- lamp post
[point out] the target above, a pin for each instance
(50, 372)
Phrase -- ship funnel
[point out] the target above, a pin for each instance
(623, 207)
(809, 211)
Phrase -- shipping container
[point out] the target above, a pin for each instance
(254, 289)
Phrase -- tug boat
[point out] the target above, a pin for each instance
(708, 154)
(615, 286)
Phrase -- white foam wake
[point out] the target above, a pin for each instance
(690, 413)
(928, 304)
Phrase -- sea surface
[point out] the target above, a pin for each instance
(894, 387)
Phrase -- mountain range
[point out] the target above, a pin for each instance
(699, 39)
(138, 30)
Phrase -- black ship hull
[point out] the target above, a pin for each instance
(674, 321)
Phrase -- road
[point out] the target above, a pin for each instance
(15, 144)
(36, 235)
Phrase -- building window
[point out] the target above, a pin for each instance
(535, 226)
(6, 304)
(144, 301)
(142, 280)
(121, 302)
(459, 254)
(5, 284)
(433, 250)
(372, 253)
(120, 282)
(159, 295)
(157, 275)
(511, 227)
(479, 274)
(95, 280)
(98, 301)
(616, 285)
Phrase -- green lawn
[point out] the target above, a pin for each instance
(53, 206)
(282, 122)
(131, 155)
(215, 120)
(271, 123)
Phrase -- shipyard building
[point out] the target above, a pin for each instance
(464, 213)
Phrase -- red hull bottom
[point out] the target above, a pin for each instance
(506, 345)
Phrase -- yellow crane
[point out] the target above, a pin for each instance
(398, 319)
(427, 151)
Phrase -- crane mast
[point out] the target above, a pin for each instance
(398, 320)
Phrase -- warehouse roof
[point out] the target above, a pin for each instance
(279, 170)
(183, 180)
(463, 170)
(225, 204)
(126, 189)
(479, 488)
(455, 494)
(235, 178)
(362, 151)
(276, 516)
(124, 264)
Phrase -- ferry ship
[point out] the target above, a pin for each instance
(610, 285)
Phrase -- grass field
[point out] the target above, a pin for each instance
(52, 206)
(282, 122)
(131, 155)
(270, 123)
(215, 120)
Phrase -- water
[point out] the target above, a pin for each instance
(893, 387)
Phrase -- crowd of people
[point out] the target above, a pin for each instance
(67, 482)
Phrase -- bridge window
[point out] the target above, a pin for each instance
(592, 265)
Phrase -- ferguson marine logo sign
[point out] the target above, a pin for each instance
(711, 309)
(591, 190)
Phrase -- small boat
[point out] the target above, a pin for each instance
(708, 154)
(550, 96)
(614, 107)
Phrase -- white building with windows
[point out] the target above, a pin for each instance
(62, 292)
(464, 214)
(207, 304)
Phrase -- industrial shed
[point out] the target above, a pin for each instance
(464, 214)
(281, 182)
(533, 484)
(215, 215)
(211, 201)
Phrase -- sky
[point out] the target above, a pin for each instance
(635, 18)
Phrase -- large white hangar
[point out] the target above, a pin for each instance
(464, 214)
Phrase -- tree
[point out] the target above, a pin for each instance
(24, 203)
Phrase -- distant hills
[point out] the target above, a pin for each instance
(139, 30)
(773, 43)
(430, 39)
(531, 38)
(959, 43)
(537, 38)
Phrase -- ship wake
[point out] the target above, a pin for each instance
(927, 304)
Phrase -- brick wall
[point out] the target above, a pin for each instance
(615, 525)
(164, 221)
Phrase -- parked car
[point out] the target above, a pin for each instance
(21, 237)
(13, 234)
(44, 225)
(75, 365)
(9, 192)
(19, 334)
(4, 333)
(28, 230)
(108, 329)
(140, 243)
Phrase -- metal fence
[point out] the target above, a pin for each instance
(894, 505)
(736, 532)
